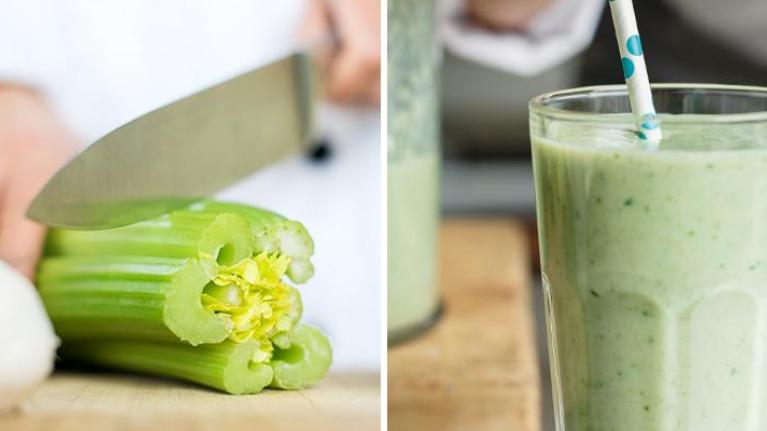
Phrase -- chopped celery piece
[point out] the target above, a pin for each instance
(225, 366)
(129, 297)
(153, 280)
(301, 358)
(186, 232)
(180, 234)
(272, 233)
(199, 294)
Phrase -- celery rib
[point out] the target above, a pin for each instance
(302, 357)
(225, 366)
(129, 297)
(182, 233)
(87, 274)
(188, 295)
(173, 235)
(272, 232)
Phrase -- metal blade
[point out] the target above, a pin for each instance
(184, 151)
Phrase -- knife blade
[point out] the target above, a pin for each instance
(186, 150)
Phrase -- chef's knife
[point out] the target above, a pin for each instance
(186, 150)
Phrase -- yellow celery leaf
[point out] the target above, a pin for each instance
(265, 304)
(214, 304)
(246, 270)
(251, 273)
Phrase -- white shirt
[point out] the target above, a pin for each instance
(559, 32)
(566, 27)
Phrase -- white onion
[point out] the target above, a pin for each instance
(27, 342)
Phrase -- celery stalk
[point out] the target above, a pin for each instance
(198, 294)
(226, 366)
(153, 280)
(272, 232)
(180, 234)
(205, 226)
(301, 358)
(129, 297)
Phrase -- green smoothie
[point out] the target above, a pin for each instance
(655, 270)
(412, 209)
(413, 166)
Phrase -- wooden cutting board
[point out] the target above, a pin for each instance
(476, 369)
(72, 401)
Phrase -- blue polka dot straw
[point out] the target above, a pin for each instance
(635, 71)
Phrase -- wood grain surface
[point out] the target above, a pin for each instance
(74, 401)
(476, 369)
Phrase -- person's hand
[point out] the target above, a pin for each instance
(33, 144)
(354, 66)
(504, 15)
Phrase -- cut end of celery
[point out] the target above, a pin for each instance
(272, 232)
(302, 357)
(296, 308)
(244, 376)
(253, 297)
(214, 276)
(300, 270)
(184, 313)
(291, 239)
(243, 296)
(228, 239)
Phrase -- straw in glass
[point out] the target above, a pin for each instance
(635, 71)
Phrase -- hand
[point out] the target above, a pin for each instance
(354, 67)
(504, 15)
(33, 144)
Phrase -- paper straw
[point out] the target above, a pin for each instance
(635, 71)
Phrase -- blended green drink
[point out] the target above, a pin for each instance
(655, 261)
(413, 168)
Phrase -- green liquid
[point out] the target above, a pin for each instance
(412, 209)
(413, 168)
(655, 269)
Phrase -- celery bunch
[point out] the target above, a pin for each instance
(200, 294)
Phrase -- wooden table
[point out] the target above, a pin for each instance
(119, 402)
(476, 369)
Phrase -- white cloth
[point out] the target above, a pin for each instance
(561, 31)
(103, 63)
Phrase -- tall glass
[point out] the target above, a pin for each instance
(655, 262)
(413, 171)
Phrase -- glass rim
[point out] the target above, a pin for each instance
(541, 104)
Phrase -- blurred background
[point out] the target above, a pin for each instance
(484, 96)
(101, 64)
